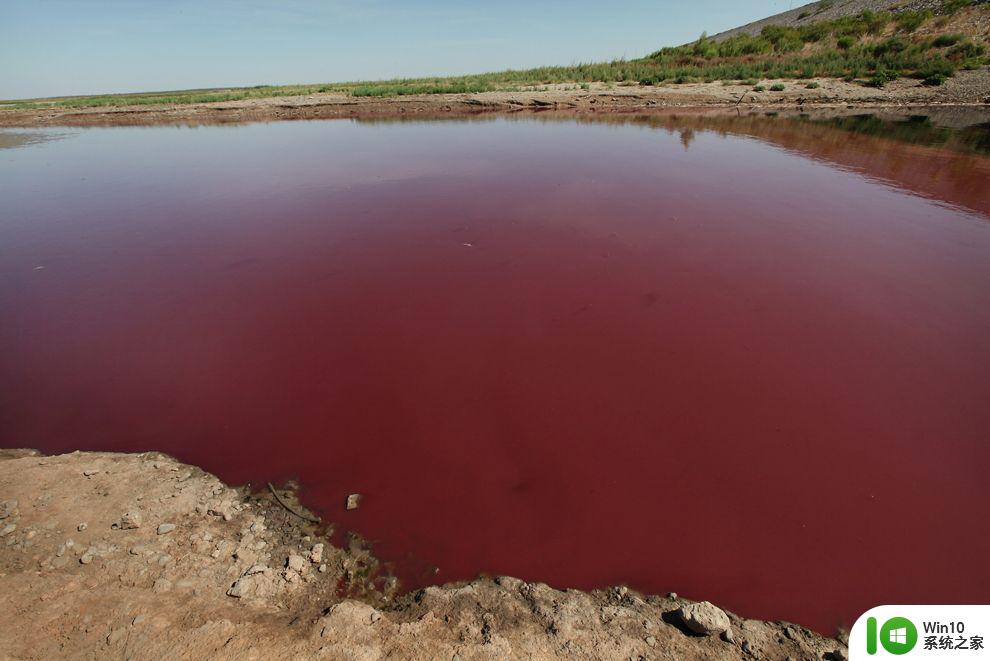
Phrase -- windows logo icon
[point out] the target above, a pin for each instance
(898, 635)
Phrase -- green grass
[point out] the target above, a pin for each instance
(853, 48)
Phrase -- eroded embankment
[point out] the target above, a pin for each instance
(139, 556)
(966, 87)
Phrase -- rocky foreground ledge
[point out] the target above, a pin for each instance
(137, 556)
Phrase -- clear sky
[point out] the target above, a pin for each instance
(62, 47)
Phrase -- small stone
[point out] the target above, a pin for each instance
(7, 529)
(704, 618)
(91, 471)
(651, 641)
(138, 619)
(316, 555)
(295, 563)
(82, 526)
(728, 636)
(375, 616)
(353, 501)
(86, 558)
(7, 508)
(166, 528)
(130, 520)
(672, 595)
(161, 585)
(323, 569)
(115, 636)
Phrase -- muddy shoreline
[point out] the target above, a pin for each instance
(139, 555)
(967, 88)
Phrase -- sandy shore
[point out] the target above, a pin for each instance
(966, 88)
(139, 556)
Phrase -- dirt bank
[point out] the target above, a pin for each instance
(967, 87)
(138, 556)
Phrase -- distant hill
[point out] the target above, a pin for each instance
(826, 10)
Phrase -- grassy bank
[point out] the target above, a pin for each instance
(872, 47)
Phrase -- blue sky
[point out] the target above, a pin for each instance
(61, 47)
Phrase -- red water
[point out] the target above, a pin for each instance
(577, 353)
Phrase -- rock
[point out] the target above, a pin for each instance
(86, 558)
(130, 520)
(323, 569)
(161, 585)
(353, 501)
(839, 655)
(704, 618)
(296, 563)
(7, 529)
(347, 616)
(90, 471)
(166, 528)
(728, 636)
(82, 526)
(672, 595)
(651, 641)
(115, 636)
(8, 508)
(316, 555)
(138, 619)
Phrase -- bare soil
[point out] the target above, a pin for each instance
(138, 556)
(965, 88)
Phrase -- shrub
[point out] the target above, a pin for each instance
(813, 32)
(966, 51)
(944, 40)
(952, 6)
(812, 85)
(759, 88)
(909, 21)
(845, 43)
(881, 77)
(777, 87)
(875, 21)
(892, 45)
(935, 70)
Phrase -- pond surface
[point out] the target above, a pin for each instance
(744, 359)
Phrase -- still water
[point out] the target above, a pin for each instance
(745, 359)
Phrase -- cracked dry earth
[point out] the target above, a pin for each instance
(137, 556)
